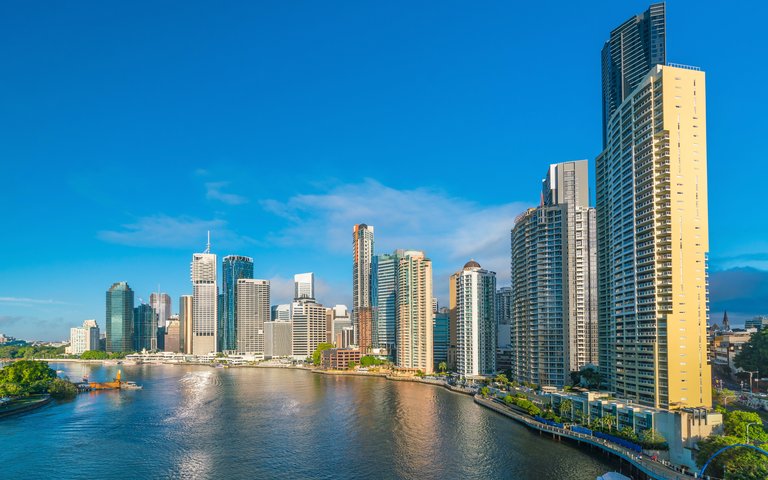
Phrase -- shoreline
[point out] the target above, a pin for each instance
(26, 408)
(394, 378)
(640, 465)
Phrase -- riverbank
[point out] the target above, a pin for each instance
(23, 405)
(395, 378)
(639, 464)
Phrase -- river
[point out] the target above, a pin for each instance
(253, 423)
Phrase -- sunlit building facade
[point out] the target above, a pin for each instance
(653, 245)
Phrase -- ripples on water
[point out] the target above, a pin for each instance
(199, 422)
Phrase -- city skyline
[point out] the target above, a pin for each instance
(110, 234)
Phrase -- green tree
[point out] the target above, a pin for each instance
(370, 361)
(736, 463)
(736, 425)
(442, 366)
(61, 388)
(501, 378)
(608, 421)
(485, 391)
(565, 408)
(318, 352)
(652, 439)
(93, 355)
(25, 377)
(351, 364)
(754, 354)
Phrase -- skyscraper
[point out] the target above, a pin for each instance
(554, 310)
(308, 327)
(385, 279)
(185, 321)
(304, 285)
(204, 302)
(252, 312)
(474, 300)
(414, 327)
(161, 303)
(233, 268)
(440, 337)
(144, 328)
(362, 255)
(631, 50)
(652, 251)
(119, 321)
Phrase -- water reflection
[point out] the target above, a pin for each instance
(200, 422)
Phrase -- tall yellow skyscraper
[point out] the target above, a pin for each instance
(414, 312)
(652, 225)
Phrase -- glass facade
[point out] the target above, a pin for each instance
(144, 328)
(233, 268)
(633, 48)
(119, 318)
(440, 337)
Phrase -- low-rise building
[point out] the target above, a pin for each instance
(339, 358)
(758, 323)
(727, 345)
(681, 429)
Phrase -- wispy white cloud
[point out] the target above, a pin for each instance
(31, 301)
(214, 191)
(451, 230)
(172, 232)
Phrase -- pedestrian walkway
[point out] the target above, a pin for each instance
(653, 469)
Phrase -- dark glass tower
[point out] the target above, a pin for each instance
(119, 318)
(144, 328)
(233, 268)
(633, 48)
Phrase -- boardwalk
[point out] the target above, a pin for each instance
(654, 470)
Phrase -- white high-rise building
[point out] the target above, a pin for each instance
(304, 285)
(252, 313)
(473, 296)
(414, 329)
(205, 302)
(82, 339)
(554, 303)
(309, 327)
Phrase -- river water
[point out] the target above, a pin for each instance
(258, 423)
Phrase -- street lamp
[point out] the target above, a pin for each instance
(753, 423)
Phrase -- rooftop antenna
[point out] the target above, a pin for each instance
(208, 246)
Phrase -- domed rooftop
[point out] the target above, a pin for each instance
(471, 264)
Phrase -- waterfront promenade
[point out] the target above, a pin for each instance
(650, 468)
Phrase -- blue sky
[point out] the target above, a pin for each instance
(129, 129)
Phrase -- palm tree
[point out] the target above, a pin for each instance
(442, 366)
(565, 408)
(608, 420)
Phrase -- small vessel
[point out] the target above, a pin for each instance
(116, 384)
